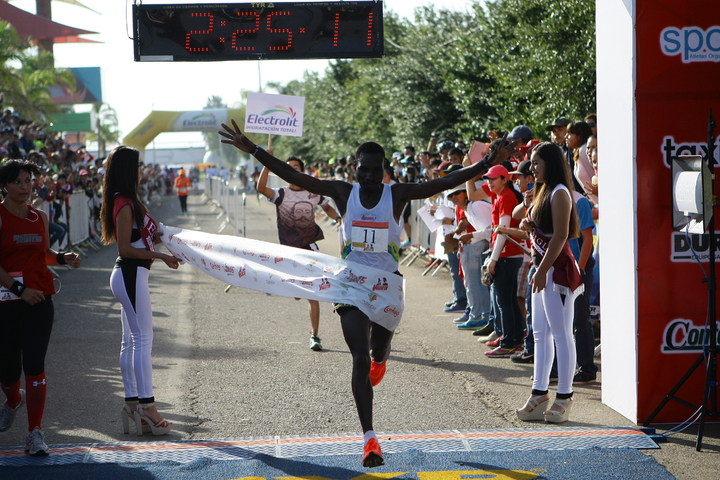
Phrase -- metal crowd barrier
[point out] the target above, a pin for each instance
(219, 192)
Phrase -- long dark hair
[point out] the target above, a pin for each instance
(556, 173)
(584, 132)
(121, 176)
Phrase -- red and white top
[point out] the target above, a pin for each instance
(147, 232)
(502, 205)
(22, 250)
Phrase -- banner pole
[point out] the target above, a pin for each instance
(270, 141)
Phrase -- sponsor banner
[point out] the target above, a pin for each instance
(683, 336)
(677, 50)
(683, 246)
(274, 114)
(200, 121)
(290, 272)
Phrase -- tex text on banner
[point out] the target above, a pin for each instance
(274, 114)
(290, 272)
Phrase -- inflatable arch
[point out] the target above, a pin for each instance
(158, 122)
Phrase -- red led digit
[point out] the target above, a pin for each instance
(199, 32)
(337, 27)
(280, 30)
(370, 27)
(244, 31)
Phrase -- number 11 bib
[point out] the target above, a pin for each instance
(369, 236)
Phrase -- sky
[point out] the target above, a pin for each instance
(134, 89)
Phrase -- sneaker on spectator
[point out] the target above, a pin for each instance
(450, 303)
(491, 336)
(583, 378)
(454, 308)
(462, 319)
(7, 414)
(484, 332)
(494, 343)
(35, 443)
(404, 244)
(472, 325)
(500, 352)
(523, 357)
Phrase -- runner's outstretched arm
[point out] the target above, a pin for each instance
(404, 192)
(337, 190)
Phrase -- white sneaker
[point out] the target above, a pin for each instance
(7, 414)
(489, 338)
(35, 443)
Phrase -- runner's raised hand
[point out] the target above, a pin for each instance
(236, 138)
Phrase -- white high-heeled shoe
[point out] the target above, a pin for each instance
(537, 408)
(160, 428)
(555, 416)
(130, 410)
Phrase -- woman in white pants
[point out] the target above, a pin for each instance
(551, 221)
(126, 221)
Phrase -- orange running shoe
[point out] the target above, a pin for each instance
(377, 372)
(373, 454)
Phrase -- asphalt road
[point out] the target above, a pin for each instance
(237, 364)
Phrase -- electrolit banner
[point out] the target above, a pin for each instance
(677, 83)
(201, 120)
(274, 114)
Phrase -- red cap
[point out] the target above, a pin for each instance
(496, 172)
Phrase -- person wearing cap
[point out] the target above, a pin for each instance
(507, 258)
(474, 241)
(378, 208)
(183, 185)
(526, 186)
(558, 129)
(522, 132)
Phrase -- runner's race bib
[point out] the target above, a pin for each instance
(5, 294)
(369, 236)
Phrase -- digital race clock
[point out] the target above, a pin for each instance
(254, 31)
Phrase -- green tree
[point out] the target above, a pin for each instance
(106, 127)
(26, 74)
(501, 64)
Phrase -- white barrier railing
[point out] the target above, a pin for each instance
(219, 192)
(79, 218)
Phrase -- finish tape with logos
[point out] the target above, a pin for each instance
(258, 31)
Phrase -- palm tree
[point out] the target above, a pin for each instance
(106, 126)
(26, 75)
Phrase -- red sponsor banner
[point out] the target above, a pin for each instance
(678, 82)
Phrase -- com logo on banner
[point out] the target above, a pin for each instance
(693, 44)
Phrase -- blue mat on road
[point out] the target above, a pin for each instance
(593, 464)
(517, 454)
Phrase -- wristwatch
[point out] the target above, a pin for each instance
(21, 288)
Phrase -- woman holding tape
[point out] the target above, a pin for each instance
(125, 220)
(26, 307)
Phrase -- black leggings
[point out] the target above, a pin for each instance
(362, 336)
(24, 338)
(183, 203)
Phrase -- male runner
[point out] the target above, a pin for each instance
(297, 227)
(370, 211)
